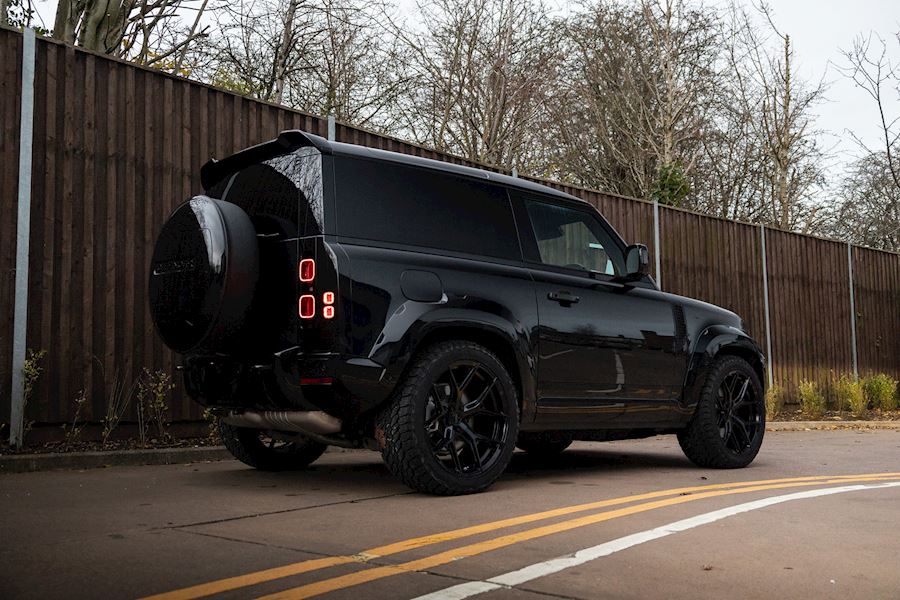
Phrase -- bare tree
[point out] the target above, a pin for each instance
(352, 70)
(481, 71)
(868, 66)
(792, 166)
(868, 214)
(149, 32)
(637, 89)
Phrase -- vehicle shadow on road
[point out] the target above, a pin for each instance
(364, 473)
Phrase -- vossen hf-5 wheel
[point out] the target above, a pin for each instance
(728, 425)
(452, 424)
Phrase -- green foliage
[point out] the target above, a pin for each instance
(812, 401)
(774, 401)
(849, 392)
(881, 391)
(31, 372)
(152, 392)
(671, 186)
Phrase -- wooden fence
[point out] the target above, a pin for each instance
(117, 147)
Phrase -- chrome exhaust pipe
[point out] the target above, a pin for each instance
(301, 421)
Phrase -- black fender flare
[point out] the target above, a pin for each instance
(714, 341)
(509, 340)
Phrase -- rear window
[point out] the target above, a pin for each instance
(385, 202)
(282, 194)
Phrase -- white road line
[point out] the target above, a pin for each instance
(555, 565)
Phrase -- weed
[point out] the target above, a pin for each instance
(812, 402)
(849, 392)
(74, 430)
(774, 401)
(881, 391)
(153, 389)
(31, 372)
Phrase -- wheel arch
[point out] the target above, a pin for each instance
(722, 340)
(499, 341)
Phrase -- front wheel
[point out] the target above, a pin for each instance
(729, 422)
(270, 450)
(451, 426)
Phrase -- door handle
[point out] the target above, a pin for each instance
(564, 298)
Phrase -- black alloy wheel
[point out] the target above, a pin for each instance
(464, 418)
(737, 412)
(729, 422)
(452, 423)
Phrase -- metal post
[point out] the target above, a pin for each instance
(765, 278)
(515, 172)
(23, 231)
(330, 127)
(852, 312)
(657, 251)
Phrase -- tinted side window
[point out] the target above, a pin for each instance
(572, 238)
(406, 205)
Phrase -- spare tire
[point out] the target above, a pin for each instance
(203, 275)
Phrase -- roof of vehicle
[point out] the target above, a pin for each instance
(215, 170)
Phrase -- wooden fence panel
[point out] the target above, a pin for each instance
(810, 300)
(876, 281)
(716, 261)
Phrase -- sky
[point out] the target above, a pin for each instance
(820, 29)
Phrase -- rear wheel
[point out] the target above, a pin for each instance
(452, 424)
(728, 425)
(544, 443)
(270, 450)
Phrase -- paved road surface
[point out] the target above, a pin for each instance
(617, 520)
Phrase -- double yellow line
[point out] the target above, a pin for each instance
(681, 495)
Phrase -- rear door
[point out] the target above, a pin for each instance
(607, 350)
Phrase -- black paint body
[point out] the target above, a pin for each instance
(588, 351)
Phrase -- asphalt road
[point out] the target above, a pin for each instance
(616, 520)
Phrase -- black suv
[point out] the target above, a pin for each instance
(329, 294)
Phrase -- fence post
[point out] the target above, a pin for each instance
(765, 278)
(23, 231)
(852, 312)
(656, 249)
(331, 127)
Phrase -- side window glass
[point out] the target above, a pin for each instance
(573, 239)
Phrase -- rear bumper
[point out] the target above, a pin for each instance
(345, 387)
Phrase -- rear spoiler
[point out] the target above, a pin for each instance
(215, 171)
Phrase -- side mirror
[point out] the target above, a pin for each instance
(637, 261)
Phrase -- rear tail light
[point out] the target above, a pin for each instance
(307, 308)
(307, 270)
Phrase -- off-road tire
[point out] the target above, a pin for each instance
(400, 427)
(246, 446)
(544, 443)
(702, 440)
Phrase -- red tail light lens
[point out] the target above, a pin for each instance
(307, 308)
(307, 270)
(328, 312)
(328, 298)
